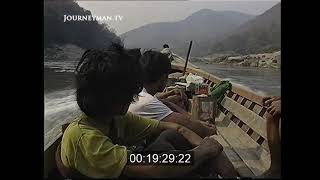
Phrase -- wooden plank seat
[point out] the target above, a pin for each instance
(256, 156)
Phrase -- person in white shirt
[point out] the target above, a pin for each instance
(166, 50)
(156, 67)
(150, 107)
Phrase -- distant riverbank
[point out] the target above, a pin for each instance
(262, 81)
(263, 60)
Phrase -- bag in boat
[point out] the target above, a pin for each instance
(220, 89)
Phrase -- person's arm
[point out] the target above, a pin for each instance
(268, 100)
(206, 148)
(195, 126)
(174, 107)
(176, 91)
(178, 109)
(191, 136)
(155, 109)
(275, 109)
(164, 95)
(273, 135)
(274, 142)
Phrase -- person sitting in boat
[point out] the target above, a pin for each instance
(273, 116)
(97, 143)
(156, 67)
(166, 50)
(152, 103)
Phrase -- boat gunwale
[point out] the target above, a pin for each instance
(252, 96)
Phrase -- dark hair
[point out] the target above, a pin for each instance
(154, 65)
(165, 46)
(107, 77)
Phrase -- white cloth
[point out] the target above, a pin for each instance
(149, 106)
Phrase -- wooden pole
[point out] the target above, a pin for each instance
(185, 66)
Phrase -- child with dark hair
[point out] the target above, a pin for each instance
(96, 144)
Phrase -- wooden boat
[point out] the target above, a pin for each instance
(241, 126)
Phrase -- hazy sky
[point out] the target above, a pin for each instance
(138, 13)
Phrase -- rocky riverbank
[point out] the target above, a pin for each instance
(264, 60)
